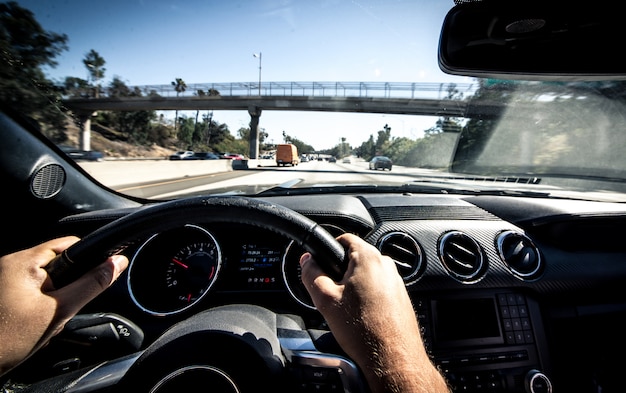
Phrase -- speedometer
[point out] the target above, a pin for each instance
(292, 273)
(174, 270)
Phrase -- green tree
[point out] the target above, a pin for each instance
(211, 93)
(95, 67)
(367, 150)
(211, 133)
(227, 144)
(399, 151)
(204, 135)
(445, 124)
(185, 132)
(136, 126)
(340, 150)
(477, 132)
(382, 142)
(119, 88)
(244, 134)
(448, 124)
(344, 148)
(75, 87)
(25, 48)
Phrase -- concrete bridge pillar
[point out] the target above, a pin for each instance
(255, 114)
(84, 137)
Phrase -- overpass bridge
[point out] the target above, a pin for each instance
(366, 97)
(311, 89)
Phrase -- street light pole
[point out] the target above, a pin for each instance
(260, 56)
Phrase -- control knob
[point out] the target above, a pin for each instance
(538, 382)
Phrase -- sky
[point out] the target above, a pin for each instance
(152, 42)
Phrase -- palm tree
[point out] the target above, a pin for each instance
(180, 86)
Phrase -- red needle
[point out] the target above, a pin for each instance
(176, 261)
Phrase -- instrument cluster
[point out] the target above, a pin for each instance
(174, 270)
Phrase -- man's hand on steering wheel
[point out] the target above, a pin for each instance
(32, 310)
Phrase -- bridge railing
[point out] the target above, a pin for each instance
(308, 89)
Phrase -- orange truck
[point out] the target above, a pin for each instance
(287, 154)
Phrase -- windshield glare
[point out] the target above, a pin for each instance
(571, 135)
(154, 88)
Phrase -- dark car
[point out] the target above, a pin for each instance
(203, 156)
(82, 155)
(380, 162)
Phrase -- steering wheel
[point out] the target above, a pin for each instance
(233, 348)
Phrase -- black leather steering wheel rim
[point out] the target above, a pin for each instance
(112, 238)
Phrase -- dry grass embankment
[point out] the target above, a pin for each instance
(117, 148)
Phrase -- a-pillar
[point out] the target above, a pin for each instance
(255, 114)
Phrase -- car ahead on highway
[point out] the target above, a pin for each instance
(204, 156)
(232, 156)
(82, 155)
(380, 162)
(506, 220)
(182, 155)
(287, 154)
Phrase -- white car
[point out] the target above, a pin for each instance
(182, 155)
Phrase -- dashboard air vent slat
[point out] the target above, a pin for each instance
(461, 256)
(519, 254)
(406, 253)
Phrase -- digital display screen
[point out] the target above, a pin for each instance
(259, 266)
(474, 321)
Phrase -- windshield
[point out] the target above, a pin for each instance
(293, 96)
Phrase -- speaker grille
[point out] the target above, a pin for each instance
(47, 181)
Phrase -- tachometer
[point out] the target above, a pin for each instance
(190, 270)
(173, 270)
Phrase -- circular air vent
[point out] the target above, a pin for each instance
(406, 253)
(520, 254)
(47, 181)
(461, 256)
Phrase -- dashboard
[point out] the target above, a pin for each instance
(498, 290)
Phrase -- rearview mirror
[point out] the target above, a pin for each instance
(548, 40)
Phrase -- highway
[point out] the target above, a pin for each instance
(170, 179)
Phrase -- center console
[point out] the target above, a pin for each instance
(486, 341)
